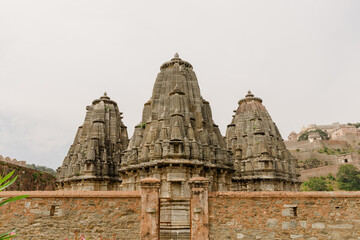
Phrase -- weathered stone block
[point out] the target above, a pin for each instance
(285, 225)
(318, 225)
(296, 236)
(240, 236)
(272, 223)
(341, 226)
(303, 224)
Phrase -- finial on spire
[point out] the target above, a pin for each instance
(249, 97)
(249, 94)
(176, 55)
(105, 96)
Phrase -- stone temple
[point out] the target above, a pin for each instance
(176, 140)
(94, 158)
(259, 155)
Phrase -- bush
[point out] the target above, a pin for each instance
(316, 184)
(305, 135)
(4, 183)
(330, 177)
(348, 178)
(357, 125)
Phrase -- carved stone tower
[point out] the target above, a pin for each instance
(93, 160)
(260, 157)
(177, 138)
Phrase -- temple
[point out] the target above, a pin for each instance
(260, 158)
(93, 159)
(176, 140)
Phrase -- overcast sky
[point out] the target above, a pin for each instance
(301, 57)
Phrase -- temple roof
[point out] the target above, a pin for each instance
(175, 60)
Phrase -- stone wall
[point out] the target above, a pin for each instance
(28, 179)
(218, 216)
(303, 156)
(13, 161)
(307, 146)
(319, 172)
(58, 215)
(284, 215)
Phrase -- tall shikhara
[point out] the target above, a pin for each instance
(260, 157)
(93, 159)
(177, 138)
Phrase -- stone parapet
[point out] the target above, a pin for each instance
(285, 194)
(72, 194)
(284, 215)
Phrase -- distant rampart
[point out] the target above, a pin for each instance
(13, 161)
(28, 179)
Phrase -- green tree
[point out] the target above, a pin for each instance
(348, 178)
(316, 184)
(5, 181)
(305, 136)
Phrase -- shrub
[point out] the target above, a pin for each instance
(348, 177)
(330, 177)
(305, 136)
(5, 181)
(316, 184)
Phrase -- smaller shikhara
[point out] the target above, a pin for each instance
(93, 159)
(177, 140)
(260, 157)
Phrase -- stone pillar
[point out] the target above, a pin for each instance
(150, 209)
(199, 211)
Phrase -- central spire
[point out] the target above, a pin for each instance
(177, 133)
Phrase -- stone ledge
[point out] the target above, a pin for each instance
(284, 194)
(71, 194)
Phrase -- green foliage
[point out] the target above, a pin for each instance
(305, 135)
(298, 150)
(332, 151)
(35, 175)
(348, 178)
(143, 125)
(316, 184)
(41, 168)
(6, 181)
(355, 124)
(330, 177)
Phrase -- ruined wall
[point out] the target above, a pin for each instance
(284, 215)
(319, 172)
(303, 156)
(307, 146)
(13, 161)
(28, 179)
(57, 215)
